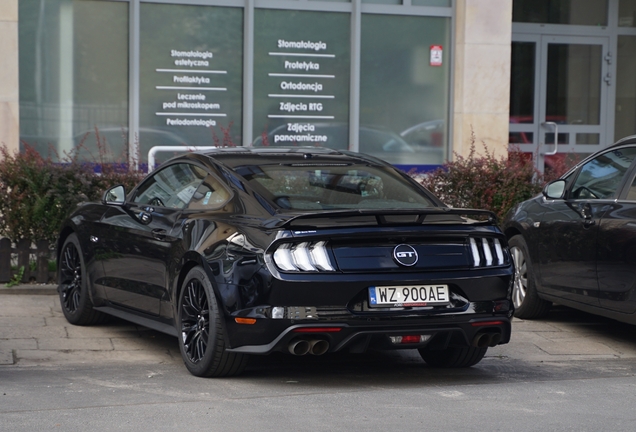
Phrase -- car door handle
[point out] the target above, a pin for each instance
(589, 222)
(159, 234)
(144, 217)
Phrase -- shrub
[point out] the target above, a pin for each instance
(486, 182)
(37, 194)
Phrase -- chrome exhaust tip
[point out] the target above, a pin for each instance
(318, 346)
(495, 338)
(299, 347)
(481, 340)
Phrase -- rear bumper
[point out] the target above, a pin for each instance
(358, 337)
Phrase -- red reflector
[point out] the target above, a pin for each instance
(317, 330)
(245, 320)
(486, 323)
(410, 339)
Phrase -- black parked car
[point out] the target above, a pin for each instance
(575, 244)
(251, 251)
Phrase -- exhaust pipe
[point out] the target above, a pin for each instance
(482, 340)
(299, 347)
(318, 346)
(495, 338)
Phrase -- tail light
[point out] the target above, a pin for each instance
(303, 257)
(487, 252)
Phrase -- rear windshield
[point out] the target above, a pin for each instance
(323, 187)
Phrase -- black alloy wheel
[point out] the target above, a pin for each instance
(201, 331)
(72, 288)
(528, 304)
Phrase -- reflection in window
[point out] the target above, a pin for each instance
(191, 76)
(520, 137)
(625, 110)
(171, 187)
(74, 77)
(631, 194)
(301, 83)
(576, 12)
(522, 82)
(627, 13)
(404, 88)
(601, 177)
(320, 187)
(573, 93)
(210, 194)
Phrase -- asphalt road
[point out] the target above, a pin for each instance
(572, 371)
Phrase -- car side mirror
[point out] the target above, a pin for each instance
(115, 195)
(554, 189)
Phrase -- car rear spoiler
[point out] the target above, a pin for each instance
(369, 217)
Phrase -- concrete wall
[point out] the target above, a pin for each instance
(9, 88)
(482, 75)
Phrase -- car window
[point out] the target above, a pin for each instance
(601, 177)
(631, 193)
(211, 194)
(173, 186)
(333, 186)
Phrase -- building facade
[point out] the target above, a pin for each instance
(572, 75)
(410, 81)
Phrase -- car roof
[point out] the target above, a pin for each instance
(631, 139)
(239, 156)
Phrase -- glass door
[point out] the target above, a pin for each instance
(558, 100)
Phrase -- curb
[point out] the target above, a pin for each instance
(29, 289)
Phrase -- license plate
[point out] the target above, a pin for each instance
(398, 296)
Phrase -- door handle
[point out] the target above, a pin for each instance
(159, 234)
(144, 217)
(556, 137)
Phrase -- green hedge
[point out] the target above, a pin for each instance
(491, 183)
(37, 194)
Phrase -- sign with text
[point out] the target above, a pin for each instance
(301, 91)
(191, 81)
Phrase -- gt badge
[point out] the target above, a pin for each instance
(405, 255)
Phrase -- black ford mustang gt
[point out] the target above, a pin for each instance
(250, 251)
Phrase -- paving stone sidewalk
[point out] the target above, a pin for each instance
(34, 332)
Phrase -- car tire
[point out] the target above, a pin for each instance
(453, 356)
(201, 330)
(75, 300)
(528, 304)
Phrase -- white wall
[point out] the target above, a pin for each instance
(9, 88)
(482, 75)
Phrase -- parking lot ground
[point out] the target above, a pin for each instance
(570, 371)
(34, 332)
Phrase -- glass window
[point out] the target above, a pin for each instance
(172, 186)
(627, 13)
(625, 108)
(573, 93)
(577, 12)
(443, 3)
(404, 88)
(319, 186)
(74, 78)
(522, 82)
(395, 2)
(631, 194)
(210, 195)
(191, 76)
(602, 176)
(301, 78)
